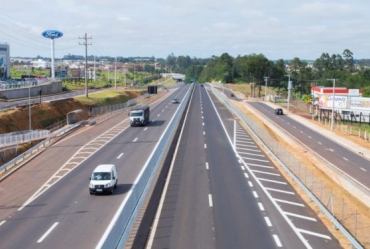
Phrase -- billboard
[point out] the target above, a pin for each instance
(2, 60)
(326, 102)
(360, 103)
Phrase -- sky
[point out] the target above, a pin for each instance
(278, 29)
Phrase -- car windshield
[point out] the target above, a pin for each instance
(136, 114)
(101, 176)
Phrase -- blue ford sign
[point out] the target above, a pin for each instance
(52, 34)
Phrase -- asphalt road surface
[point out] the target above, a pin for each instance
(223, 191)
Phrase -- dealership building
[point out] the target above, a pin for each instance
(4, 61)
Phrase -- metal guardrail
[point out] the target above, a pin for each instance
(117, 234)
(15, 138)
(265, 140)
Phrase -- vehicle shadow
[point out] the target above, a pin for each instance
(156, 123)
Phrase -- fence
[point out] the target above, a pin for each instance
(345, 217)
(16, 138)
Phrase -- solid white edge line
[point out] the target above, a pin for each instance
(48, 232)
(277, 240)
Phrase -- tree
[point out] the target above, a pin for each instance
(348, 60)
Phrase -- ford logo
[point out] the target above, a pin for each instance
(52, 34)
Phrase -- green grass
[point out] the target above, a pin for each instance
(109, 97)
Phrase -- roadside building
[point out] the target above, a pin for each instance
(4, 61)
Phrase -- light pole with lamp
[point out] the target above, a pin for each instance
(266, 78)
(332, 110)
(289, 89)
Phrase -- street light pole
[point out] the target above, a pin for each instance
(289, 90)
(332, 110)
(266, 78)
(29, 106)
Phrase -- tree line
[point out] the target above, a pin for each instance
(256, 68)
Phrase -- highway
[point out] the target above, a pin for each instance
(46, 203)
(224, 192)
(343, 158)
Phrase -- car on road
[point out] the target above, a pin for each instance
(103, 179)
(175, 101)
(279, 111)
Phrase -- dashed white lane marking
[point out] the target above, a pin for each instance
(207, 167)
(301, 132)
(261, 206)
(246, 175)
(315, 234)
(280, 191)
(48, 232)
(300, 216)
(145, 128)
(255, 194)
(277, 240)
(159, 115)
(345, 158)
(134, 140)
(266, 173)
(2, 222)
(363, 169)
(120, 155)
(290, 202)
(319, 143)
(250, 184)
(204, 133)
(242, 168)
(202, 117)
(203, 124)
(309, 137)
(268, 180)
(210, 200)
(268, 222)
(205, 146)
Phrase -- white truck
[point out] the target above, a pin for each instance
(139, 115)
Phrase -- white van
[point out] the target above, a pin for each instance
(103, 179)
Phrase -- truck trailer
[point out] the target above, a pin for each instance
(139, 115)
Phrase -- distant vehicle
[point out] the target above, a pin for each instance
(279, 111)
(139, 115)
(201, 85)
(232, 95)
(103, 179)
(175, 101)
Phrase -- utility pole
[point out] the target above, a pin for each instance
(94, 74)
(115, 75)
(289, 89)
(266, 78)
(85, 44)
(332, 110)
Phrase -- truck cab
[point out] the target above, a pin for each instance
(139, 115)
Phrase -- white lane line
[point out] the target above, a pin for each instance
(203, 124)
(210, 200)
(134, 140)
(252, 154)
(315, 234)
(319, 143)
(2, 222)
(255, 194)
(250, 184)
(280, 191)
(253, 159)
(242, 168)
(242, 148)
(120, 155)
(290, 202)
(260, 166)
(205, 146)
(268, 180)
(204, 133)
(207, 167)
(202, 117)
(159, 115)
(300, 216)
(145, 128)
(363, 169)
(246, 175)
(345, 158)
(48, 232)
(277, 240)
(268, 222)
(261, 206)
(264, 172)
(309, 137)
